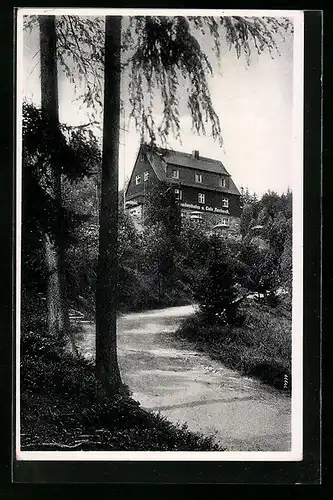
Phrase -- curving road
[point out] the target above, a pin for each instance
(187, 386)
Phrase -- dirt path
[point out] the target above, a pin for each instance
(187, 386)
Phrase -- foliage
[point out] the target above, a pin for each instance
(287, 263)
(80, 51)
(247, 220)
(215, 292)
(162, 209)
(81, 254)
(273, 213)
(160, 55)
(257, 270)
(165, 264)
(246, 197)
(244, 33)
(135, 287)
(75, 152)
(141, 258)
(167, 56)
(193, 249)
(260, 347)
(168, 264)
(81, 265)
(160, 239)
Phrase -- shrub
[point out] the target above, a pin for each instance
(261, 347)
(258, 269)
(216, 292)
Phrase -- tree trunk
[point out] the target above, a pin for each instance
(55, 319)
(58, 315)
(107, 369)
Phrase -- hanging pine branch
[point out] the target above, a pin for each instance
(161, 55)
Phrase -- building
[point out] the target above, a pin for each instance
(204, 188)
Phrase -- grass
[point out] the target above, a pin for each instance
(261, 347)
(63, 407)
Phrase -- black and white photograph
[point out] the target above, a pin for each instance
(159, 226)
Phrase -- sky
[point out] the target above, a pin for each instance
(254, 104)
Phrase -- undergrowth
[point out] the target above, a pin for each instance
(260, 347)
(64, 407)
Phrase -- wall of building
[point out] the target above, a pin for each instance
(142, 165)
(209, 179)
(213, 201)
(210, 220)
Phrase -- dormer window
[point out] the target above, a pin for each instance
(198, 178)
(145, 176)
(175, 174)
(137, 180)
(225, 202)
(222, 182)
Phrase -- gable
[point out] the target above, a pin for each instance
(131, 181)
(143, 163)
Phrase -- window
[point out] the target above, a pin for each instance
(138, 179)
(178, 194)
(198, 178)
(222, 182)
(201, 198)
(225, 221)
(145, 176)
(175, 174)
(225, 202)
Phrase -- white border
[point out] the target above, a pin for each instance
(19, 92)
(291, 14)
(297, 188)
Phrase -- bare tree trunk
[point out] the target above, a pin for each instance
(55, 320)
(58, 315)
(107, 369)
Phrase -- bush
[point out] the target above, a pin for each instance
(258, 269)
(216, 292)
(272, 299)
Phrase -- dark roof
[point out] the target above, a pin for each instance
(232, 188)
(159, 158)
(157, 164)
(187, 160)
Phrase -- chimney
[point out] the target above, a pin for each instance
(195, 154)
